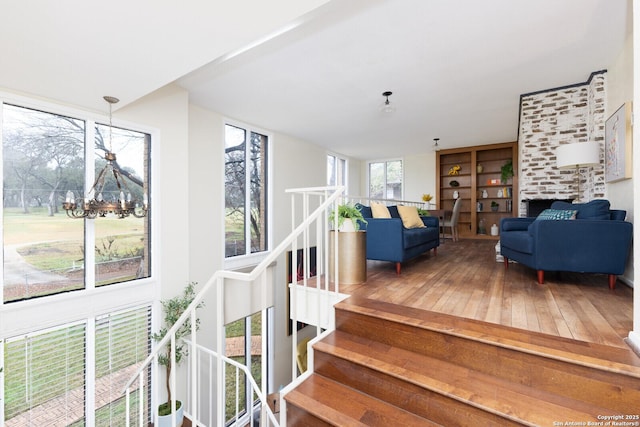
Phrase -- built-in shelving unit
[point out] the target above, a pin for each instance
(474, 175)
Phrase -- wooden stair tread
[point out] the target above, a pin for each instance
(612, 359)
(337, 404)
(513, 401)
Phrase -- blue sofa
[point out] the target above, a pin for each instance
(389, 240)
(586, 238)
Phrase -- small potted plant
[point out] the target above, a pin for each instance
(506, 171)
(344, 212)
(173, 309)
(494, 206)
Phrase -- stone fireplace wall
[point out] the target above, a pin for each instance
(554, 117)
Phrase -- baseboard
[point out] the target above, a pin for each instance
(633, 341)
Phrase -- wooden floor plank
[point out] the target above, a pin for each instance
(464, 279)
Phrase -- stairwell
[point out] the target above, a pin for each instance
(390, 365)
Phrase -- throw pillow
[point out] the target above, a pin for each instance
(557, 214)
(595, 209)
(378, 210)
(410, 217)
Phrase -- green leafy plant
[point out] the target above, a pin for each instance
(347, 211)
(494, 204)
(506, 171)
(173, 309)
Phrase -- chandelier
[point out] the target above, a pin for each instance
(94, 203)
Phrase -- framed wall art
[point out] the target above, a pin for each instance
(618, 145)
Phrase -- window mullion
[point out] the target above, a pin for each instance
(247, 193)
(89, 225)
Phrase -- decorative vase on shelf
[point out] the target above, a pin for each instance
(482, 229)
(500, 193)
(479, 168)
(456, 194)
(485, 194)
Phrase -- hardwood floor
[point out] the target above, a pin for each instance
(464, 280)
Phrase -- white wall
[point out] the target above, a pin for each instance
(634, 336)
(619, 91)
(419, 176)
(167, 110)
(296, 164)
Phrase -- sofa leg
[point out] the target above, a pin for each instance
(541, 277)
(435, 251)
(506, 263)
(612, 281)
(398, 265)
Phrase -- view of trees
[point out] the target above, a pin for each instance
(43, 158)
(245, 190)
(385, 179)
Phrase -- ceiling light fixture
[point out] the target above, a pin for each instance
(94, 204)
(387, 107)
(436, 147)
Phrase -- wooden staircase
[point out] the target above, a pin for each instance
(390, 365)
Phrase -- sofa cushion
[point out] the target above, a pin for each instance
(520, 241)
(418, 236)
(557, 214)
(595, 209)
(393, 210)
(364, 210)
(618, 214)
(378, 210)
(410, 217)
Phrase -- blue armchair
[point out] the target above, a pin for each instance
(389, 240)
(585, 238)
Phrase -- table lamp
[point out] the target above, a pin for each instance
(577, 155)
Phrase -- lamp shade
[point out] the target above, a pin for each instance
(569, 156)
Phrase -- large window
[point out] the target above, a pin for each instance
(47, 376)
(336, 171)
(385, 180)
(245, 191)
(244, 345)
(45, 252)
(71, 374)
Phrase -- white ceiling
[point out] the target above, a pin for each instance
(317, 70)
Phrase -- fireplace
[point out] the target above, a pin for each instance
(535, 206)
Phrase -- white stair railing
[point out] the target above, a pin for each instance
(313, 228)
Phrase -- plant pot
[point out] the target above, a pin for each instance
(352, 252)
(494, 208)
(347, 226)
(165, 420)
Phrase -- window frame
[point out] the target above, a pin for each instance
(84, 305)
(342, 177)
(385, 162)
(248, 259)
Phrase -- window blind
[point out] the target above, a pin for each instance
(122, 344)
(45, 377)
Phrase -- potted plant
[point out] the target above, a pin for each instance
(350, 212)
(173, 309)
(352, 264)
(506, 171)
(494, 206)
